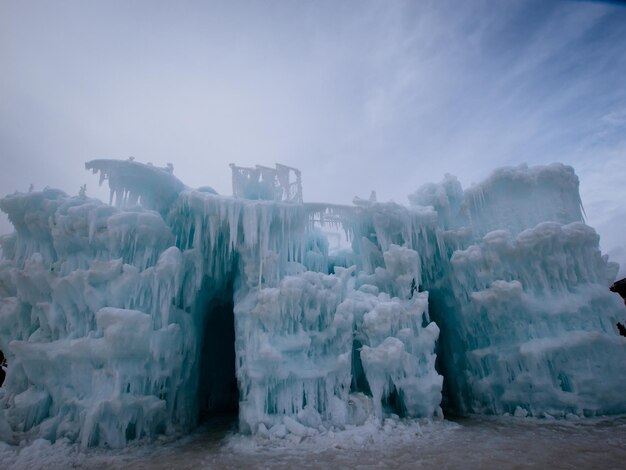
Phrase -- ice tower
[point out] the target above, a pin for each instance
(144, 315)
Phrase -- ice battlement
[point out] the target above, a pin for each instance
(281, 184)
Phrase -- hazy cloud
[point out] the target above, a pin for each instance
(359, 95)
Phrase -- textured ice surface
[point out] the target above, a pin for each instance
(128, 321)
(523, 307)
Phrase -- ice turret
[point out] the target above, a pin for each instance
(521, 197)
(282, 183)
(522, 298)
(134, 183)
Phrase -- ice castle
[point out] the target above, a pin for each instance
(143, 316)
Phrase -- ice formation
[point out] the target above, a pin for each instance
(129, 320)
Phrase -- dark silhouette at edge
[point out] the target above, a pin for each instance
(619, 287)
(3, 364)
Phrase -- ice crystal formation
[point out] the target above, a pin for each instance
(145, 315)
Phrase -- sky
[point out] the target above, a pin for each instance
(359, 95)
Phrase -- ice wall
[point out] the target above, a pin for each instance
(538, 323)
(316, 349)
(494, 299)
(98, 352)
(105, 309)
(296, 313)
(101, 345)
(528, 324)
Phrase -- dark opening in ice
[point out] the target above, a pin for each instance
(359, 381)
(451, 402)
(217, 383)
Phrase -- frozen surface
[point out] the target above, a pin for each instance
(497, 442)
(133, 320)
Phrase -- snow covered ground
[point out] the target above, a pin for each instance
(476, 442)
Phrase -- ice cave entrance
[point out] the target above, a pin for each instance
(218, 393)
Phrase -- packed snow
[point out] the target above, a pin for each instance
(135, 320)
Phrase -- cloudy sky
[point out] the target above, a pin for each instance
(359, 95)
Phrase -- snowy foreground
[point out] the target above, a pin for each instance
(137, 319)
(496, 442)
